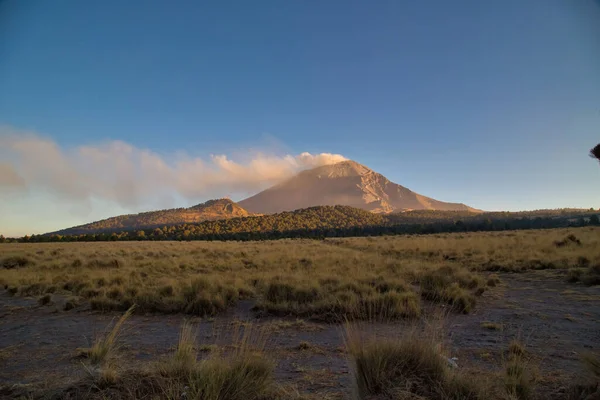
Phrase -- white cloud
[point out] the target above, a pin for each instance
(131, 177)
(9, 177)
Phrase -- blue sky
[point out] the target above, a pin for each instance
(493, 104)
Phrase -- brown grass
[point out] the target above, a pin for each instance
(332, 279)
(243, 373)
(519, 373)
(492, 326)
(412, 367)
(105, 346)
(588, 386)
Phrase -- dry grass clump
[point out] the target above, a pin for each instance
(589, 387)
(568, 241)
(244, 377)
(200, 296)
(452, 286)
(589, 276)
(184, 360)
(492, 326)
(15, 262)
(334, 299)
(415, 367)
(412, 367)
(242, 374)
(519, 374)
(592, 365)
(105, 346)
(45, 300)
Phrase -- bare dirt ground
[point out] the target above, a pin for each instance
(556, 320)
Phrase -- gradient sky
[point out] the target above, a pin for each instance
(493, 104)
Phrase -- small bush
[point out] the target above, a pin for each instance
(493, 280)
(281, 292)
(117, 280)
(166, 291)
(245, 377)
(45, 300)
(77, 263)
(574, 275)
(70, 304)
(591, 363)
(519, 379)
(15, 262)
(304, 345)
(568, 240)
(114, 293)
(449, 286)
(408, 368)
(90, 293)
(588, 387)
(387, 306)
(34, 289)
(516, 348)
(241, 375)
(589, 276)
(204, 297)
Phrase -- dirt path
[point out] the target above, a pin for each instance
(557, 321)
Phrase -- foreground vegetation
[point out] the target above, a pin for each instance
(331, 280)
(413, 365)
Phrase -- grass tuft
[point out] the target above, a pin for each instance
(245, 377)
(451, 286)
(519, 377)
(491, 326)
(409, 368)
(45, 300)
(15, 262)
(591, 363)
(104, 347)
(183, 362)
(587, 388)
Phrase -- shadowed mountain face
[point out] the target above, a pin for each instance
(211, 210)
(346, 183)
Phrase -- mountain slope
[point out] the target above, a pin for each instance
(346, 183)
(210, 210)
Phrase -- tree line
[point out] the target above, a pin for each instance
(337, 221)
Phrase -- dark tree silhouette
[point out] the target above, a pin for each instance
(595, 152)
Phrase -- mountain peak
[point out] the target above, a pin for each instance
(223, 201)
(345, 168)
(344, 183)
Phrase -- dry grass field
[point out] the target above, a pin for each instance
(334, 318)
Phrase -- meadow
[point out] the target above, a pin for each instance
(336, 282)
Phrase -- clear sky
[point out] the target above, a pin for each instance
(114, 106)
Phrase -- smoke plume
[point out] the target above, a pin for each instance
(130, 176)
